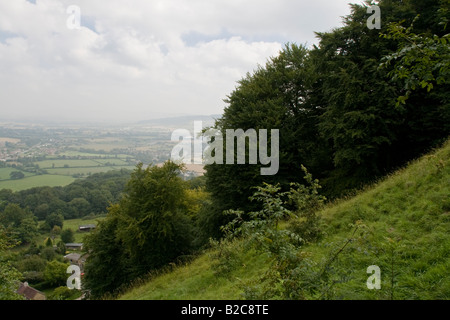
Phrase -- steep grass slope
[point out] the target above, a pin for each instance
(404, 229)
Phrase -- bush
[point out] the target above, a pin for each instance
(48, 253)
(16, 175)
(291, 274)
(67, 236)
(32, 263)
(226, 257)
(63, 293)
(55, 273)
(56, 231)
(33, 276)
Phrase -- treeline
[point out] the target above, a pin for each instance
(352, 109)
(84, 197)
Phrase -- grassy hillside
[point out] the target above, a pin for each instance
(404, 229)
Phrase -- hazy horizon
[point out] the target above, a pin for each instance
(155, 59)
(106, 122)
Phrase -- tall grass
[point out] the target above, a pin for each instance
(406, 233)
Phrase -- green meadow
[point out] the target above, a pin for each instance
(75, 223)
(61, 163)
(61, 172)
(5, 173)
(36, 181)
(86, 170)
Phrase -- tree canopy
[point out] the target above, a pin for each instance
(146, 230)
(336, 104)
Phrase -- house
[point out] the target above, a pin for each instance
(30, 293)
(86, 227)
(73, 258)
(77, 259)
(74, 246)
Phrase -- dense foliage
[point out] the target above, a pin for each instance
(147, 229)
(81, 198)
(8, 274)
(336, 105)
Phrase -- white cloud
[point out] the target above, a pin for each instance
(132, 60)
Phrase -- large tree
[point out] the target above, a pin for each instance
(146, 230)
(19, 222)
(335, 107)
(107, 266)
(273, 97)
(367, 134)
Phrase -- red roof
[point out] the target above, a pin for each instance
(30, 293)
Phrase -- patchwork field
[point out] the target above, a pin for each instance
(86, 170)
(57, 163)
(6, 172)
(36, 181)
(55, 156)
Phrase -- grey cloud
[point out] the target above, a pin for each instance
(130, 61)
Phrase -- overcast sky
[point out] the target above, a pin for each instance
(142, 59)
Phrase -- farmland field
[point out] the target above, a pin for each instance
(75, 223)
(60, 172)
(74, 153)
(86, 170)
(71, 224)
(5, 173)
(107, 146)
(61, 163)
(56, 156)
(115, 162)
(36, 181)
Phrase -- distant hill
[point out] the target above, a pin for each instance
(406, 219)
(181, 121)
